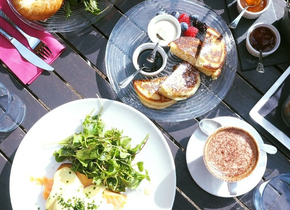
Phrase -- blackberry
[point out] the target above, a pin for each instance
(202, 26)
(197, 23)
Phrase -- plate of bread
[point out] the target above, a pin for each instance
(201, 63)
(59, 15)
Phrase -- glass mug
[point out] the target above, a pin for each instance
(285, 22)
(273, 194)
(12, 110)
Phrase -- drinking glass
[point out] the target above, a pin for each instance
(12, 110)
(285, 22)
(273, 194)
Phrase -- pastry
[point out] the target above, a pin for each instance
(182, 83)
(212, 54)
(147, 91)
(37, 9)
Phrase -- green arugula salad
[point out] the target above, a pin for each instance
(106, 156)
(90, 6)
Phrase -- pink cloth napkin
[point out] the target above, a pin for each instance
(24, 70)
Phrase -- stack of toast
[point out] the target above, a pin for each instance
(207, 57)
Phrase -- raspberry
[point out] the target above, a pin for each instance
(184, 18)
(191, 31)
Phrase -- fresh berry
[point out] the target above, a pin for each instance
(184, 18)
(160, 12)
(191, 31)
(194, 18)
(197, 23)
(202, 26)
(183, 26)
(175, 14)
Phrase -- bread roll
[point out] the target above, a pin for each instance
(37, 9)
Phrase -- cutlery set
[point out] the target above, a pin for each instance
(40, 50)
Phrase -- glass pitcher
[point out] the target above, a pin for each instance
(285, 22)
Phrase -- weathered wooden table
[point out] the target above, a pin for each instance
(80, 72)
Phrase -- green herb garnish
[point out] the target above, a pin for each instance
(90, 5)
(76, 204)
(104, 156)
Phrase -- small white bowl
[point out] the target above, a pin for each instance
(150, 46)
(255, 52)
(166, 26)
(253, 15)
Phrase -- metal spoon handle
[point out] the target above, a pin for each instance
(236, 21)
(260, 66)
(126, 81)
(151, 57)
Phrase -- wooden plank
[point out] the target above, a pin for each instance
(124, 6)
(106, 24)
(5, 168)
(181, 203)
(77, 72)
(261, 82)
(11, 142)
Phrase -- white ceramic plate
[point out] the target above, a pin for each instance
(198, 171)
(34, 158)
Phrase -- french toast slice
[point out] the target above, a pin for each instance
(186, 48)
(147, 91)
(182, 83)
(208, 56)
(212, 54)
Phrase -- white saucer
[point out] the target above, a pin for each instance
(198, 171)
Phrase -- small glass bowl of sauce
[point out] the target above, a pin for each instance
(264, 37)
(140, 58)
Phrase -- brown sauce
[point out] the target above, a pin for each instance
(257, 8)
(263, 38)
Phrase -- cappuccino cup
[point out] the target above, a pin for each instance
(231, 154)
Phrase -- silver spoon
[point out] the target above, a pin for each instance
(208, 126)
(260, 66)
(127, 80)
(151, 57)
(236, 21)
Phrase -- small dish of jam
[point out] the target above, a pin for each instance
(256, 11)
(140, 59)
(264, 37)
